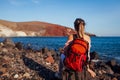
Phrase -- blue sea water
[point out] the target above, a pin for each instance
(106, 47)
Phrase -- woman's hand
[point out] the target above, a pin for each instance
(92, 73)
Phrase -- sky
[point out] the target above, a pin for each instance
(102, 17)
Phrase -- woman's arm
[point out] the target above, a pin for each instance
(70, 38)
(87, 38)
(89, 49)
(93, 74)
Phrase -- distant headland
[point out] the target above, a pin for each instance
(34, 28)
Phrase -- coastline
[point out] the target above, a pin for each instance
(19, 63)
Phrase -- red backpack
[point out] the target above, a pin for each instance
(76, 54)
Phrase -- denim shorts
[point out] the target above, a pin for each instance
(62, 57)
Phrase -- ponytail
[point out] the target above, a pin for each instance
(79, 28)
(81, 32)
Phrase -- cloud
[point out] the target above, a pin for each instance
(23, 2)
(14, 2)
(36, 1)
(17, 2)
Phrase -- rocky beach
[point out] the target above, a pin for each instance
(19, 63)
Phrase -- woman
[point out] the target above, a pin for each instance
(79, 26)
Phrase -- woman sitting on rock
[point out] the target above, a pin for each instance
(79, 26)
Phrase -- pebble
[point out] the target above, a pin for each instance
(26, 75)
(16, 76)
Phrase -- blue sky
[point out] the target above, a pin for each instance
(102, 16)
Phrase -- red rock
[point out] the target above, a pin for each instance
(114, 79)
(49, 59)
(3, 70)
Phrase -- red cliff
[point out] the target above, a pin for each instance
(33, 28)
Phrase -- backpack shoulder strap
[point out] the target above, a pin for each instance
(75, 36)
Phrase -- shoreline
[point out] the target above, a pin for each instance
(19, 63)
(37, 46)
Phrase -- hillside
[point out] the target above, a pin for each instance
(33, 28)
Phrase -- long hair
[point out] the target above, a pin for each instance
(77, 25)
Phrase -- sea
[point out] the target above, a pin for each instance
(106, 47)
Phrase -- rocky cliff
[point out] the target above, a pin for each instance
(33, 28)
